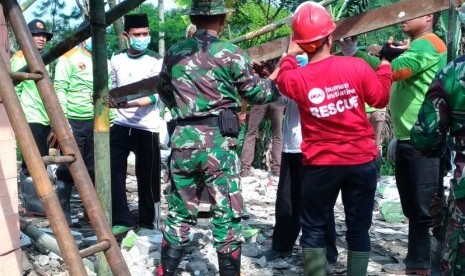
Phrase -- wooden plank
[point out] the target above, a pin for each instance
(361, 23)
(134, 90)
(269, 50)
(387, 16)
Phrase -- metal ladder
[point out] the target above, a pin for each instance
(106, 242)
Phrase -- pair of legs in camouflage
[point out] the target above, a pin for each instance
(192, 170)
(453, 263)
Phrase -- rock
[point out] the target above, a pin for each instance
(261, 262)
(250, 249)
(43, 260)
(89, 241)
(26, 263)
(197, 268)
(281, 264)
(54, 263)
(260, 239)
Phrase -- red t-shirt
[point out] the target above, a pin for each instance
(331, 94)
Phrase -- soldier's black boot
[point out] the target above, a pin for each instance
(171, 256)
(229, 264)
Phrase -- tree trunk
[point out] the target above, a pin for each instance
(101, 117)
(118, 25)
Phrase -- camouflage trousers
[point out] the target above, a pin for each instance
(217, 170)
(453, 263)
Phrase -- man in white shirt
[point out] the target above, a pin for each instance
(136, 129)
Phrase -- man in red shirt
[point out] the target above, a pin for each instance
(338, 146)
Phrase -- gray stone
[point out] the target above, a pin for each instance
(261, 262)
(54, 263)
(281, 264)
(25, 263)
(145, 246)
(250, 249)
(90, 240)
(43, 260)
(197, 266)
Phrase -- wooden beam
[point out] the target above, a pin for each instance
(387, 16)
(361, 23)
(134, 90)
(269, 50)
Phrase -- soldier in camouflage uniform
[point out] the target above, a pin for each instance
(443, 112)
(201, 77)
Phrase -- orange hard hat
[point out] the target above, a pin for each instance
(311, 22)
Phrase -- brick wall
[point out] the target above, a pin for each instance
(10, 251)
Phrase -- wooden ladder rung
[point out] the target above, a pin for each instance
(22, 76)
(91, 250)
(58, 159)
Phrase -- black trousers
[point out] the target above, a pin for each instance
(40, 133)
(320, 189)
(288, 198)
(146, 148)
(417, 179)
(83, 132)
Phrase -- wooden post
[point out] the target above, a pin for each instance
(101, 116)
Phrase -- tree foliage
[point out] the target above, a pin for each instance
(57, 10)
(174, 27)
(251, 16)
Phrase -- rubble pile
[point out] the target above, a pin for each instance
(141, 250)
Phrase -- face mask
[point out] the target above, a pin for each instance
(89, 44)
(139, 43)
(302, 60)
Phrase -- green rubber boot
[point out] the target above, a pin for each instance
(357, 263)
(314, 261)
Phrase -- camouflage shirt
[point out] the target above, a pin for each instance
(442, 112)
(201, 76)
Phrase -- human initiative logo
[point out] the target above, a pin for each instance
(316, 95)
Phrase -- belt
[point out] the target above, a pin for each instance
(210, 120)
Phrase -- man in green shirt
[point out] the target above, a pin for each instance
(36, 115)
(441, 115)
(74, 88)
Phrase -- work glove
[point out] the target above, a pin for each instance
(348, 46)
(261, 68)
(392, 49)
(391, 152)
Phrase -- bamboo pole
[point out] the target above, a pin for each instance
(118, 25)
(68, 147)
(101, 115)
(26, 5)
(271, 27)
(25, 139)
